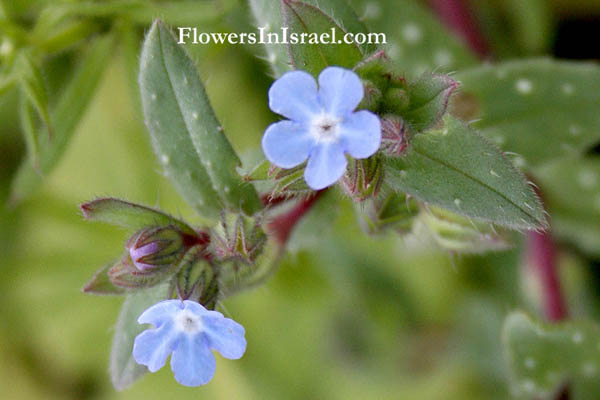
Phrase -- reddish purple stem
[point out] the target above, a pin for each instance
(456, 15)
(541, 256)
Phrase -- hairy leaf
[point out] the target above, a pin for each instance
(269, 19)
(129, 215)
(457, 169)
(319, 18)
(186, 135)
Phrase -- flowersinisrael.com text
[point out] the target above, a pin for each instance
(264, 36)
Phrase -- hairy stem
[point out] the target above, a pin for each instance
(281, 226)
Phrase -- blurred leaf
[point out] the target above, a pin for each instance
(100, 283)
(572, 194)
(455, 168)
(123, 368)
(33, 86)
(314, 17)
(178, 13)
(269, 17)
(129, 215)
(186, 135)
(65, 117)
(525, 28)
(30, 132)
(542, 357)
(416, 40)
(539, 109)
(456, 233)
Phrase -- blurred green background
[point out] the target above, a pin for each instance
(346, 317)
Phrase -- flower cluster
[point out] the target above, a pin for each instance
(322, 125)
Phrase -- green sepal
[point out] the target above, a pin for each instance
(100, 283)
(455, 168)
(543, 357)
(388, 211)
(427, 100)
(186, 135)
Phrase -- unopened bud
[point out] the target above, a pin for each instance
(362, 178)
(155, 247)
(394, 140)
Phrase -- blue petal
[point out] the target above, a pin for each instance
(160, 312)
(192, 362)
(226, 336)
(294, 96)
(326, 164)
(287, 143)
(152, 347)
(340, 90)
(360, 134)
(195, 308)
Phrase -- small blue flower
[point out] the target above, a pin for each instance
(322, 125)
(189, 331)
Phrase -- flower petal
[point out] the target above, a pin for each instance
(340, 90)
(360, 134)
(326, 164)
(152, 347)
(294, 96)
(287, 143)
(160, 312)
(226, 336)
(192, 362)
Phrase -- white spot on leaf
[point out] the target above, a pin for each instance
(524, 86)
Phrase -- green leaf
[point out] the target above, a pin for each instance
(65, 117)
(457, 169)
(129, 215)
(269, 17)
(33, 86)
(123, 368)
(315, 18)
(542, 357)
(540, 109)
(416, 40)
(572, 194)
(100, 283)
(186, 135)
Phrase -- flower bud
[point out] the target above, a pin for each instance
(362, 178)
(394, 140)
(238, 238)
(156, 247)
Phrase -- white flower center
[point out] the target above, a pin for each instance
(188, 322)
(325, 128)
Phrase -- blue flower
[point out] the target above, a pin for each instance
(189, 331)
(321, 126)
